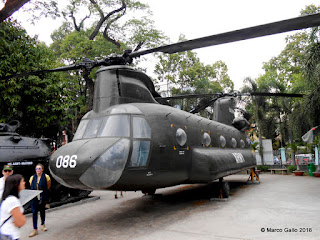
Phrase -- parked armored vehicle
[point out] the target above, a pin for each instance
(24, 153)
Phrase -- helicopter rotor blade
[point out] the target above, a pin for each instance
(268, 94)
(235, 94)
(35, 73)
(233, 36)
(189, 96)
(237, 35)
(87, 64)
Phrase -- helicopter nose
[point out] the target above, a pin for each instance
(91, 163)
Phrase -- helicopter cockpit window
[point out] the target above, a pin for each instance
(125, 108)
(109, 126)
(141, 147)
(115, 126)
(140, 153)
(81, 128)
(92, 128)
(141, 128)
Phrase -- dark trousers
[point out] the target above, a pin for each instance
(37, 207)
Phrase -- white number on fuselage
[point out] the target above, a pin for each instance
(66, 161)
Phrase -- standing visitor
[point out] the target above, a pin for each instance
(64, 137)
(6, 172)
(11, 213)
(39, 181)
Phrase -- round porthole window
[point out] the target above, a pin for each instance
(181, 137)
(206, 139)
(242, 143)
(234, 143)
(223, 141)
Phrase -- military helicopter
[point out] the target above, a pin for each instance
(132, 140)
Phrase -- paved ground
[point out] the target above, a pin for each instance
(280, 203)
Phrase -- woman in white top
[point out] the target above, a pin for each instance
(11, 206)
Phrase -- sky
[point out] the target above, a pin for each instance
(202, 18)
(208, 17)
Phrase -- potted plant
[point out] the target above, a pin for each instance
(298, 172)
(294, 149)
(316, 174)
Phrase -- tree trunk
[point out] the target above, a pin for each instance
(260, 134)
(10, 7)
(260, 146)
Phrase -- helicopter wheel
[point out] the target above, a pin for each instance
(225, 189)
(59, 193)
(79, 193)
(149, 191)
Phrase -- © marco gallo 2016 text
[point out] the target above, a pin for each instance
(293, 230)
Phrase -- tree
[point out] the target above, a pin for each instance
(10, 7)
(43, 8)
(39, 102)
(187, 74)
(120, 22)
(111, 29)
(105, 28)
(312, 66)
(286, 73)
(257, 107)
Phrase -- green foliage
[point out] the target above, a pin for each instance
(92, 29)
(87, 32)
(122, 23)
(185, 74)
(39, 102)
(294, 70)
(276, 145)
(75, 46)
(254, 146)
(293, 147)
(260, 108)
(263, 168)
(292, 168)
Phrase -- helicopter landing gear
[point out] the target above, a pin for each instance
(116, 194)
(224, 189)
(222, 192)
(149, 192)
(254, 176)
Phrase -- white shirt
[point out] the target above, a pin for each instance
(2, 182)
(7, 206)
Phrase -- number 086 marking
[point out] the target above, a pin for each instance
(67, 161)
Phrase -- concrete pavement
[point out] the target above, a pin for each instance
(280, 207)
